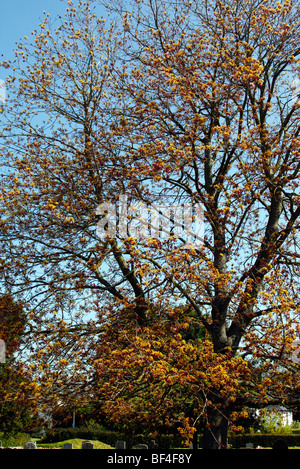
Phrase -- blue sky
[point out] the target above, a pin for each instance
(18, 18)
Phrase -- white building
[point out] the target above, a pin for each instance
(276, 415)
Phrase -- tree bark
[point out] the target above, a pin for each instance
(216, 432)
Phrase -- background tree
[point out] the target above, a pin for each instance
(190, 102)
(12, 323)
(18, 410)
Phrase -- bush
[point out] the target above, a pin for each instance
(14, 439)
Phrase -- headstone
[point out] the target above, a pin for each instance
(87, 445)
(68, 446)
(153, 444)
(280, 444)
(140, 446)
(249, 445)
(30, 445)
(120, 444)
(193, 445)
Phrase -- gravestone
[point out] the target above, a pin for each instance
(193, 445)
(280, 444)
(249, 445)
(68, 446)
(87, 445)
(140, 446)
(153, 444)
(30, 445)
(120, 444)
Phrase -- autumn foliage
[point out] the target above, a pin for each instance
(167, 103)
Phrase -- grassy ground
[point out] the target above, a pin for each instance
(77, 444)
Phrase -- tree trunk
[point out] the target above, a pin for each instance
(215, 433)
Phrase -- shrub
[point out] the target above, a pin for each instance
(14, 439)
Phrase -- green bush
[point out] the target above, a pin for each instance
(14, 439)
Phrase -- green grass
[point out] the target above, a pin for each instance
(77, 444)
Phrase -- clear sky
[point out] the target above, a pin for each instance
(18, 18)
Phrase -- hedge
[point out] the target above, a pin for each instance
(263, 440)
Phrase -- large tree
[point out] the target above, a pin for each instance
(186, 102)
(216, 118)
